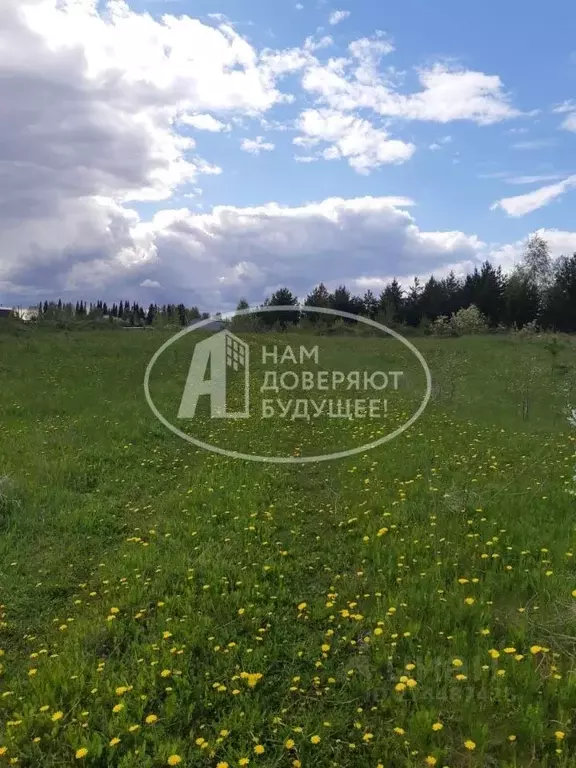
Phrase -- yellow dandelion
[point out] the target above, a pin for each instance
(430, 760)
(174, 760)
(117, 708)
(534, 649)
(150, 719)
(57, 716)
(559, 735)
(470, 745)
(81, 753)
(244, 761)
(114, 741)
(259, 749)
(437, 726)
(315, 739)
(289, 743)
(457, 663)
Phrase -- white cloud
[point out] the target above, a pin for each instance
(150, 284)
(257, 145)
(352, 138)
(566, 106)
(204, 123)
(337, 16)
(213, 258)
(535, 179)
(533, 144)
(569, 123)
(92, 98)
(520, 205)
(447, 94)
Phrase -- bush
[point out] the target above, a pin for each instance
(468, 321)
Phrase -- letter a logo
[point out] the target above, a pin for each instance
(222, 353)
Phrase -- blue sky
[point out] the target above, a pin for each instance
(395, 138)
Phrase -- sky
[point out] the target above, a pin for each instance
(210, 150)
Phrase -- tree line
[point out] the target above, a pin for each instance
(537, 292)
(124, 313)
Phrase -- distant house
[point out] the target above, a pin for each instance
(5, 311)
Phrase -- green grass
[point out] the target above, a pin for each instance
(126, 552)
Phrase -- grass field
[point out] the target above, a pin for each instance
(413, 605)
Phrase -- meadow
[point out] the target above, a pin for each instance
(414, 605)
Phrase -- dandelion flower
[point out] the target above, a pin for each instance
(430, 760)
(150, 719)
(457, 662)
(559, 735)
(174, 760)
(114, 741)
(57, 716)
(315, 739)
(244, 761)
(437, 726)
(81, 753)
(534, 649)
(470, 745)
(259, 749)
(289, 743)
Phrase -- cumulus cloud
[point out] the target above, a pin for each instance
(355, 139)
(520, 205)
(213, 258)
(204, 123)
(447, 93)
(257, 145)
(337, 16)
(91, 101)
